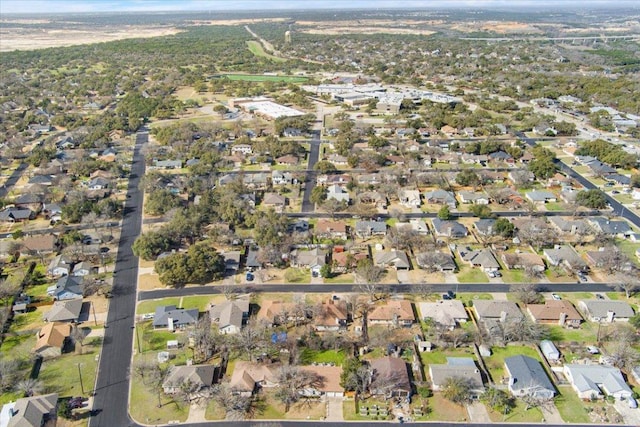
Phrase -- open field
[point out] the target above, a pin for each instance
(28, 38)
(263, 78)
(257, 49)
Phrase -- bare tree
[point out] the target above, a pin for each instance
(9, 372)
(293, 381)
(30, 387)
(528, 294)
(535, 401)
(623, 356)
(8, 289)
(251, 338)
(236, 407)
(78, 336)
(523, 330)
(629, 283)
(457, 389)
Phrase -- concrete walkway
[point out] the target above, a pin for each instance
(551, 414)
(334, 409)
(499, 296)
(478, 413)
(196, 413)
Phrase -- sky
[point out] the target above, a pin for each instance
(75, 6)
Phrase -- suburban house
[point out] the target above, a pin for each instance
(332, 316)
(497, 311)
(373, 198)
(281, 177)
(64, 311)
(241, 149)
(41, 244)
(313, 259)
(98, 184)
(59, 266)
(463, 367)
(287, 160)
(394, 313)
(571, 226)
(275, 201)
(343, 261)
(604, 256)
(248, 376)
(67, 287)
(619, 228)
(199, 376)
(409, 198)
(35, 411)
(470, 197)
(51, 339)
(523, 260)
(168, 316)
(390, 377)
(606, 310)
(448, 228)
(566, 256)
(395, 259)
(441, 197)
(416, 225)
(331, 229)
(554, 312)
(16, 215)
(328, 384)
(276, 312)
(482, 258)
(230, 315)
(528, 378)
(83, 268)
(371, 228)
(484, 226)
(439, 261)
(338, 193)
(166, 164)
(596, 381)
(538, 196)
(449, 313)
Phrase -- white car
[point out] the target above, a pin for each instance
(556, 297)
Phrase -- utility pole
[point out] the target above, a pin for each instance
(80, 375)
(138, 340)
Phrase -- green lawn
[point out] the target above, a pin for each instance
(214, 411)
(495, 362)
(60, 375)
(519, 415)
(472, 275)
(150, 306)
(586, 333)
(555, 206)
(297, 275)
(514, 276)
(628, 248)
(143, 405)
(200, 301)
(571, 407)
(340, 278)
(441, 409)
(440, 357)
(18, 345)
(154, 340)
(308, 356)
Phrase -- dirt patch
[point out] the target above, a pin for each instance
(367, 27)
(149, 281)
(32, 39)
(497, 27)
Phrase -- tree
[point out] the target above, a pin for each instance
(325, 271)
(236, 407)
(204, 263)
(457, 389)
(528, 294)
(324, 166)
(367, 272)
(481, 211)
(149, 245)
(9, 372)
(504, 227)
(522, 330)
(220, 109)
(78, 336)
(173, 270)
(542, 166)
(468, 178)
(292, 381)
(594, 199)
(498, 400)
(355, 376)
(444, 213)
(160, 201)
(318, 195)
(30, 387)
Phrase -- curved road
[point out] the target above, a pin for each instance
(112, 383)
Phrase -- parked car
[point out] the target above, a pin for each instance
(494, 274)
(556, 297)
(593, 349)
(446, 297)
(599, 296)
(250, 277)
(451, 294)
(632, 403)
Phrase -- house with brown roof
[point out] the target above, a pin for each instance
(288, 160)
(331, 229)
(51, 339)
(523, 260)
(393, 313)
(390, 377)
(247, 377)
(277, 312)
(41, 244)
(554, 312)
(332, 316)
(275, 201)
(328, 383)
(343, 261)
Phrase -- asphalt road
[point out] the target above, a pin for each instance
(399, 288)
(362, 423)
(112, 384)
(310, 180)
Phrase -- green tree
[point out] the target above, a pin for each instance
(498, 400)
(542, 166)
(324, 166)
(444, 213)
(481, 211)
(149, 245)
(468, 177)
(325, 271)
(160, 201)
(504, 227)
(594, 199)
(318, 195)
(173, 270)
(457, 389)
(205, 264)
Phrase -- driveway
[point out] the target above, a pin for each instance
(631, 416)
(551, 414)
(478, 413)
(334, 409)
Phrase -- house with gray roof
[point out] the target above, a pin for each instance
(230, 315)
(566, 256)
(441, 197)
(312, 259)
(538, 196)
(448, 228)
(606, 310)
(497, 310)
(338, 193)
(482, 258)
(472, 197)
(168, 316)
(448, 313)
(370, 228)
(200, 376)
(439, 261)
(485, 226)
(596, 381)
(16, 215)
(458, 367)
(396, 259)
(166, 164)
(252, 261)
(67, 287)
(619, 228)
(35, 411)
(571, 226)
(527, 377)
(64, 311)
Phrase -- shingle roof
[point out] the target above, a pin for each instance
(527, 373)
(64, 311)
(180, 316)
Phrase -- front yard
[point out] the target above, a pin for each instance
(495, 362)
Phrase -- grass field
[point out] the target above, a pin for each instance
(495, 362)
(263, 78)
(571, 407)
(472, 275)
(257, 49)
(309, 356)
(519, 414)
